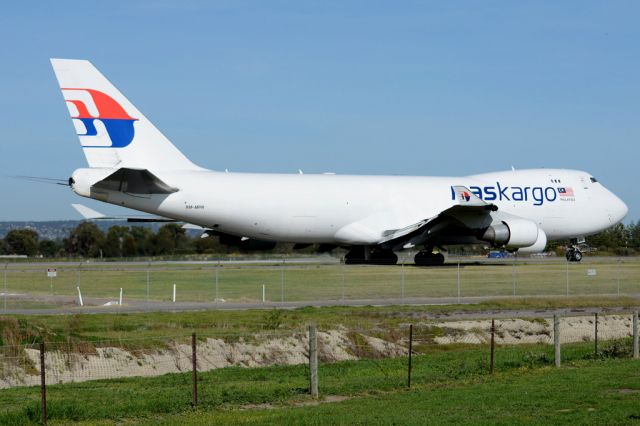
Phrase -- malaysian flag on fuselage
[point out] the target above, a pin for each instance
(566, 192)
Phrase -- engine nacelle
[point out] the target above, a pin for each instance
(513, 234)
(538, 246)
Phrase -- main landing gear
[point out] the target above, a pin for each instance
(428, 258)
(365, 256)
(573, 254)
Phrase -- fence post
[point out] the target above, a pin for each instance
(43, 386)
(410, 353)
(282, 282)
(148, 279)
(5, 286)
(635, 334)
(80, 296)
(567, 278)
(513, 273)
(458, 281)
(216, 282)
(194, 361)
(493, 333)
(343, 283)
(313, 360)
(636, 352)
(402, 283)
(556, 338)
(595, 351)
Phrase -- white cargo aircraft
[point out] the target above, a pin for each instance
(132, 164)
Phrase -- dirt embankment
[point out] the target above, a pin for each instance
(538, 330)
(256, 351)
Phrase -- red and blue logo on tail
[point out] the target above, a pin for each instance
(117, 122)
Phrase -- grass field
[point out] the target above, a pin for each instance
(448, 387)
(312, 282)
(95, 328)
(593, 393)
(450, 382)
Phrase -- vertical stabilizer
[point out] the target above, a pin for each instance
(112, 132)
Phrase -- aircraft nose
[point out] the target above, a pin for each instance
(617, 209)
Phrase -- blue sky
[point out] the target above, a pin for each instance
(363, 87)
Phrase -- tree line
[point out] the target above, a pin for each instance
(88, 241)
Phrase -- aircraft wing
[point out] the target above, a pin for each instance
(468, 208)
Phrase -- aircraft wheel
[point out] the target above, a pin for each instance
(574, 255)
(383, 257)
(569, 254)
(426, 258)
(355, 256)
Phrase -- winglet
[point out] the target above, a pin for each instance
(465, 197)
(88, 213)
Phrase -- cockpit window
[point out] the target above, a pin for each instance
(593, 180)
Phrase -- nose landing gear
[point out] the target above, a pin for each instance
(573, 254)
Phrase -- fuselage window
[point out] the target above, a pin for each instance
(593, 180)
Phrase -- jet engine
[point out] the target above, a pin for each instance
(538, 246)
(513, 233)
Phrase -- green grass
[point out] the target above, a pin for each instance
(588, 393)
(309, 282)
(156, 328)
(448, 386)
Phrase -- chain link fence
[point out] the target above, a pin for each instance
(282, 282)
(48, 378)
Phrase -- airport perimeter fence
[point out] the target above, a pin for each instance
(85, 379)
(296, 282)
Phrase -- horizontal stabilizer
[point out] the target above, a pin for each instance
(90, 214)
(87, 212)
(150, 219)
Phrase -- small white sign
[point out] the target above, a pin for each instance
(52, 272)
(592, 272)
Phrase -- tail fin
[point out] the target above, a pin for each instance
(112, 132)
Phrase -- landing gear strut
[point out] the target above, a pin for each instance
(574, 254)
(428, 258)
